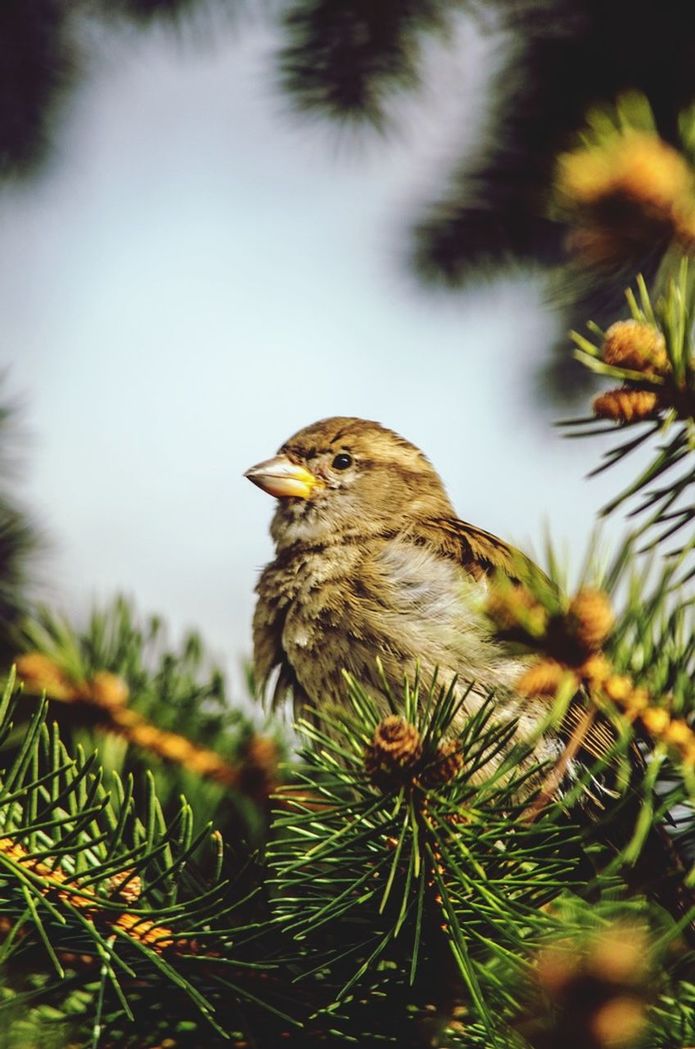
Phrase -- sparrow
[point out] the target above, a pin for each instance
(371, 562)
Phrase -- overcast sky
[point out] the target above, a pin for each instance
(199, 274)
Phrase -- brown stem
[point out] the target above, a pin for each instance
(552, 782)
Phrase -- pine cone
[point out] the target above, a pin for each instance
(445, 766)
(627, 405)
(395, 748)
(591, 618)
(633, 344)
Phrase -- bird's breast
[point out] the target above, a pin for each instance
(349, 604)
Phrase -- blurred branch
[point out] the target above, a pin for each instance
(38, 65)
(19, 541)
(97, 675)
(347, 60)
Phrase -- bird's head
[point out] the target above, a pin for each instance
(344, 476)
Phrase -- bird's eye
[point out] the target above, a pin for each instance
(342, 461)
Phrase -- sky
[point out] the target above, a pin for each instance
(199, 273)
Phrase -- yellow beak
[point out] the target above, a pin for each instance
(281, 477)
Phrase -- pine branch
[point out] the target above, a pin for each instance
(398, 873)
(653, 355)
(118, 679)
(85, 882)
(346, 60)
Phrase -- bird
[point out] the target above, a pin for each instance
(371, 561)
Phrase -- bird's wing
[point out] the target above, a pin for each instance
(481, 553)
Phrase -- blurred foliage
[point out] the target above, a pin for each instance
(20, 540)
(351, 61)
(145, 11)
(654, 356)
(152, 710)
(622, 190)
(346, 60)
(37, 67)
(567, 57)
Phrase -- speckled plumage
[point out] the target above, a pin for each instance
(375, 563)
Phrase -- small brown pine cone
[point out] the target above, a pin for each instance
(591, 618)
(395, 748)
(445, 766)
(541, 679)
(627, 405)
(636, 345)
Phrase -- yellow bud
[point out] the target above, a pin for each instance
(591, 617)
(595, 669)
(656, 720)
(637, 701)
(618, 687)
(653, 172)
(635, 345)
(584, 175)
(541, 679)
(679, 733)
